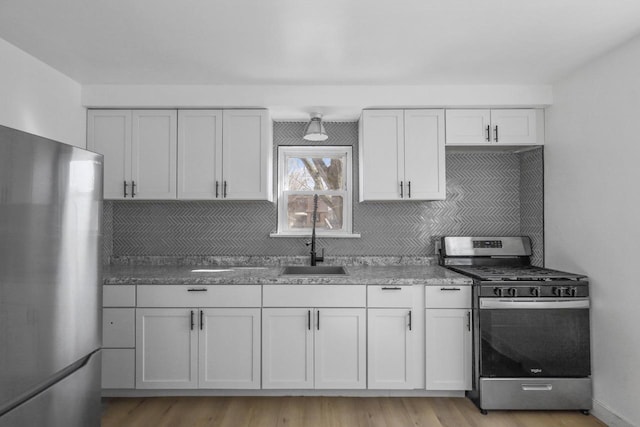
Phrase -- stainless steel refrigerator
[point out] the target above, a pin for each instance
(50, 269)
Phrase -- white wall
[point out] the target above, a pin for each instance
(37, 99)
(592, 213)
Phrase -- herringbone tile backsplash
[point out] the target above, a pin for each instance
(487, 194)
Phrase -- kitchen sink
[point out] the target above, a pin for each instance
(317, 270)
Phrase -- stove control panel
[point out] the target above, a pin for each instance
(530, 290)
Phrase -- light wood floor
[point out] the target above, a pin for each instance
(323, 412)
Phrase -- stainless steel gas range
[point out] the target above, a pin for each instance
(531, 340)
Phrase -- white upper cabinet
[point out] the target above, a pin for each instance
(188, 154)
(109, 133)
(224, 155)
(402, 155)
(495, 127)
(153, 160)
(247, 155)
(199, 154)
(139, 149)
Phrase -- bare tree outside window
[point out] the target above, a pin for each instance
(306, 173)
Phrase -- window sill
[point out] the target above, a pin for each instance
(318, 235)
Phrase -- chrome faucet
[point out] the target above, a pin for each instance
(314, 256)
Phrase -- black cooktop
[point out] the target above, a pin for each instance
(514, 273)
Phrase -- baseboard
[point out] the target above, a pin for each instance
(344, 393)
(607, 416)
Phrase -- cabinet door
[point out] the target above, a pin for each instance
(515, 127)
(154, 153)
(448, 349)
(247, 155)
(166, 348)
(340, 348)
(109, 133)
(287, 348)
(390, 349)
(468, 127)
(381, 155)
(199, 154)
(229, 348)
(424, 155)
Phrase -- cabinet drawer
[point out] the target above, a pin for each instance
(199, 296)
(448, 296)
(390, 296)
(118, 368)
(118, 296)
(315, 296)
(118, 327)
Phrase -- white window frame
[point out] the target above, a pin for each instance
(284, 152)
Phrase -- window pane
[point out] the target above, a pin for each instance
(300, 212)
(315, 173)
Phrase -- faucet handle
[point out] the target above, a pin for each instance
(308, 243)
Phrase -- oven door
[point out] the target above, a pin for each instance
(523, 337)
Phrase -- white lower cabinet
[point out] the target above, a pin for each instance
(118, 337)
(390, 348)
(229, 348)
(306, 348)
(197, 348)
(448, 325)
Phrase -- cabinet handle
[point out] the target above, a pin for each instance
(224, 191)
(318, 319)
(133, 189)
(391, 288)
(409, 319)
(197, 290)
(125, 189)
(401, 190)
(409, 188)
(469, 321)
(217, 189)
(201, 319)
(450, 289)
(192, 320)
(495, 130)
(309, 319)
(488, 133)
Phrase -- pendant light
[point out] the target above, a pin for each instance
(315, 130)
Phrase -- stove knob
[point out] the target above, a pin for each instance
(535, 291)
(513, 292)
(498, 291)
(572, 291)
(559, 291)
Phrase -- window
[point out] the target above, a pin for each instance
(305, 171)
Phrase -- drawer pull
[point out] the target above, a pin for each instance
(450, 289)
(201, 319)
(537, 387)
(197, 290)
(391, 288)
(409, 319)
(191, 320)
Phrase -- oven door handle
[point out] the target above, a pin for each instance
(533, 303)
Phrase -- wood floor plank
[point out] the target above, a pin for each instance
(324, 412)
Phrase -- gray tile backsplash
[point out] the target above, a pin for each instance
(493, 193)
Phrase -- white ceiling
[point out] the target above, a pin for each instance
(330, 42)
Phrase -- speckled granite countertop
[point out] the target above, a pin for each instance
(236, 275)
